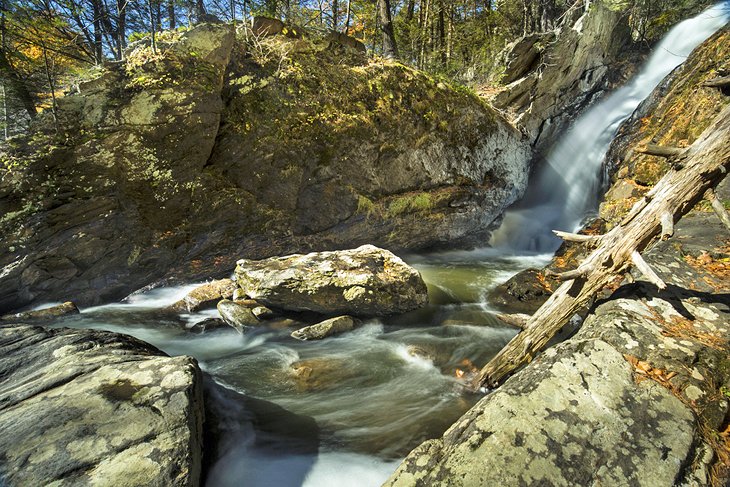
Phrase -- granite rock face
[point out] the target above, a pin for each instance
(84, 407)
(366, 281)
(553, 77)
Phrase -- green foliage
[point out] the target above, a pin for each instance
(410, 203)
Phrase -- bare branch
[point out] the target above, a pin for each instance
(667, 221)
(646, 270)
(659, 150)
(520, 320)
(576, 237)
(718, 207)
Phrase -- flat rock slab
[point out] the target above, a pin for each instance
(86, 407)
(366, 281)
(45, 314)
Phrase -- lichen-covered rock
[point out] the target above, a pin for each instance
(84, 407)
(45, 314)
(324, 329)
(601, 408)
(215, 148)
(366, 281)
(237, 315)
(206, 295)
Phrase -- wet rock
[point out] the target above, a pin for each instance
(366, 281)
(326, 328)
(545, 426)
(208, 324)
(67, 308)
(85, 407)
(205, 296)
(237, 315)
(263, 313)
(525, 292)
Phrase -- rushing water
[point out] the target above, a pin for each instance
(566, 188)
(340, 411)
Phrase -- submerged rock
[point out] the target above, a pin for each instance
(85, 407)
(237, 315)
(208, 324)
(326, 328)
(67, 308)
(206, 295)
(366, 281)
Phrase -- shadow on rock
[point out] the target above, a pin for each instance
(672, 294)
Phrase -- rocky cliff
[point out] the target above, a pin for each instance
(85, 407)
(220, 144)
(552, 77)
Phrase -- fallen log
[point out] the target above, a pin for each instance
(659, 150)
(721, 82)
(705, 164)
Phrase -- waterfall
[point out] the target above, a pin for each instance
(565, 189)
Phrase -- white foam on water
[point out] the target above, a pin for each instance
(340, 469)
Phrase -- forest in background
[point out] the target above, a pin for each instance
(44, 44)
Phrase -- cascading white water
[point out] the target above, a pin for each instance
(565, 189)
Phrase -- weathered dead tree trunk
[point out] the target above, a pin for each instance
(699, 168)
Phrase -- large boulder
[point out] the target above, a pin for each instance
(366, 281)
(218, 147)
(85, 407)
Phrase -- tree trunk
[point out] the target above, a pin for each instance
(424, 33)
(335, 14)
(121, 27)
(50, 78)
(98, 31)
(442, 33)
(390, 48)
(171, 20)
(153, 25)
(17, 85)
(6, 121)
(347, 18)
(703, 165)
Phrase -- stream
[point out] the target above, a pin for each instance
(343, 411)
